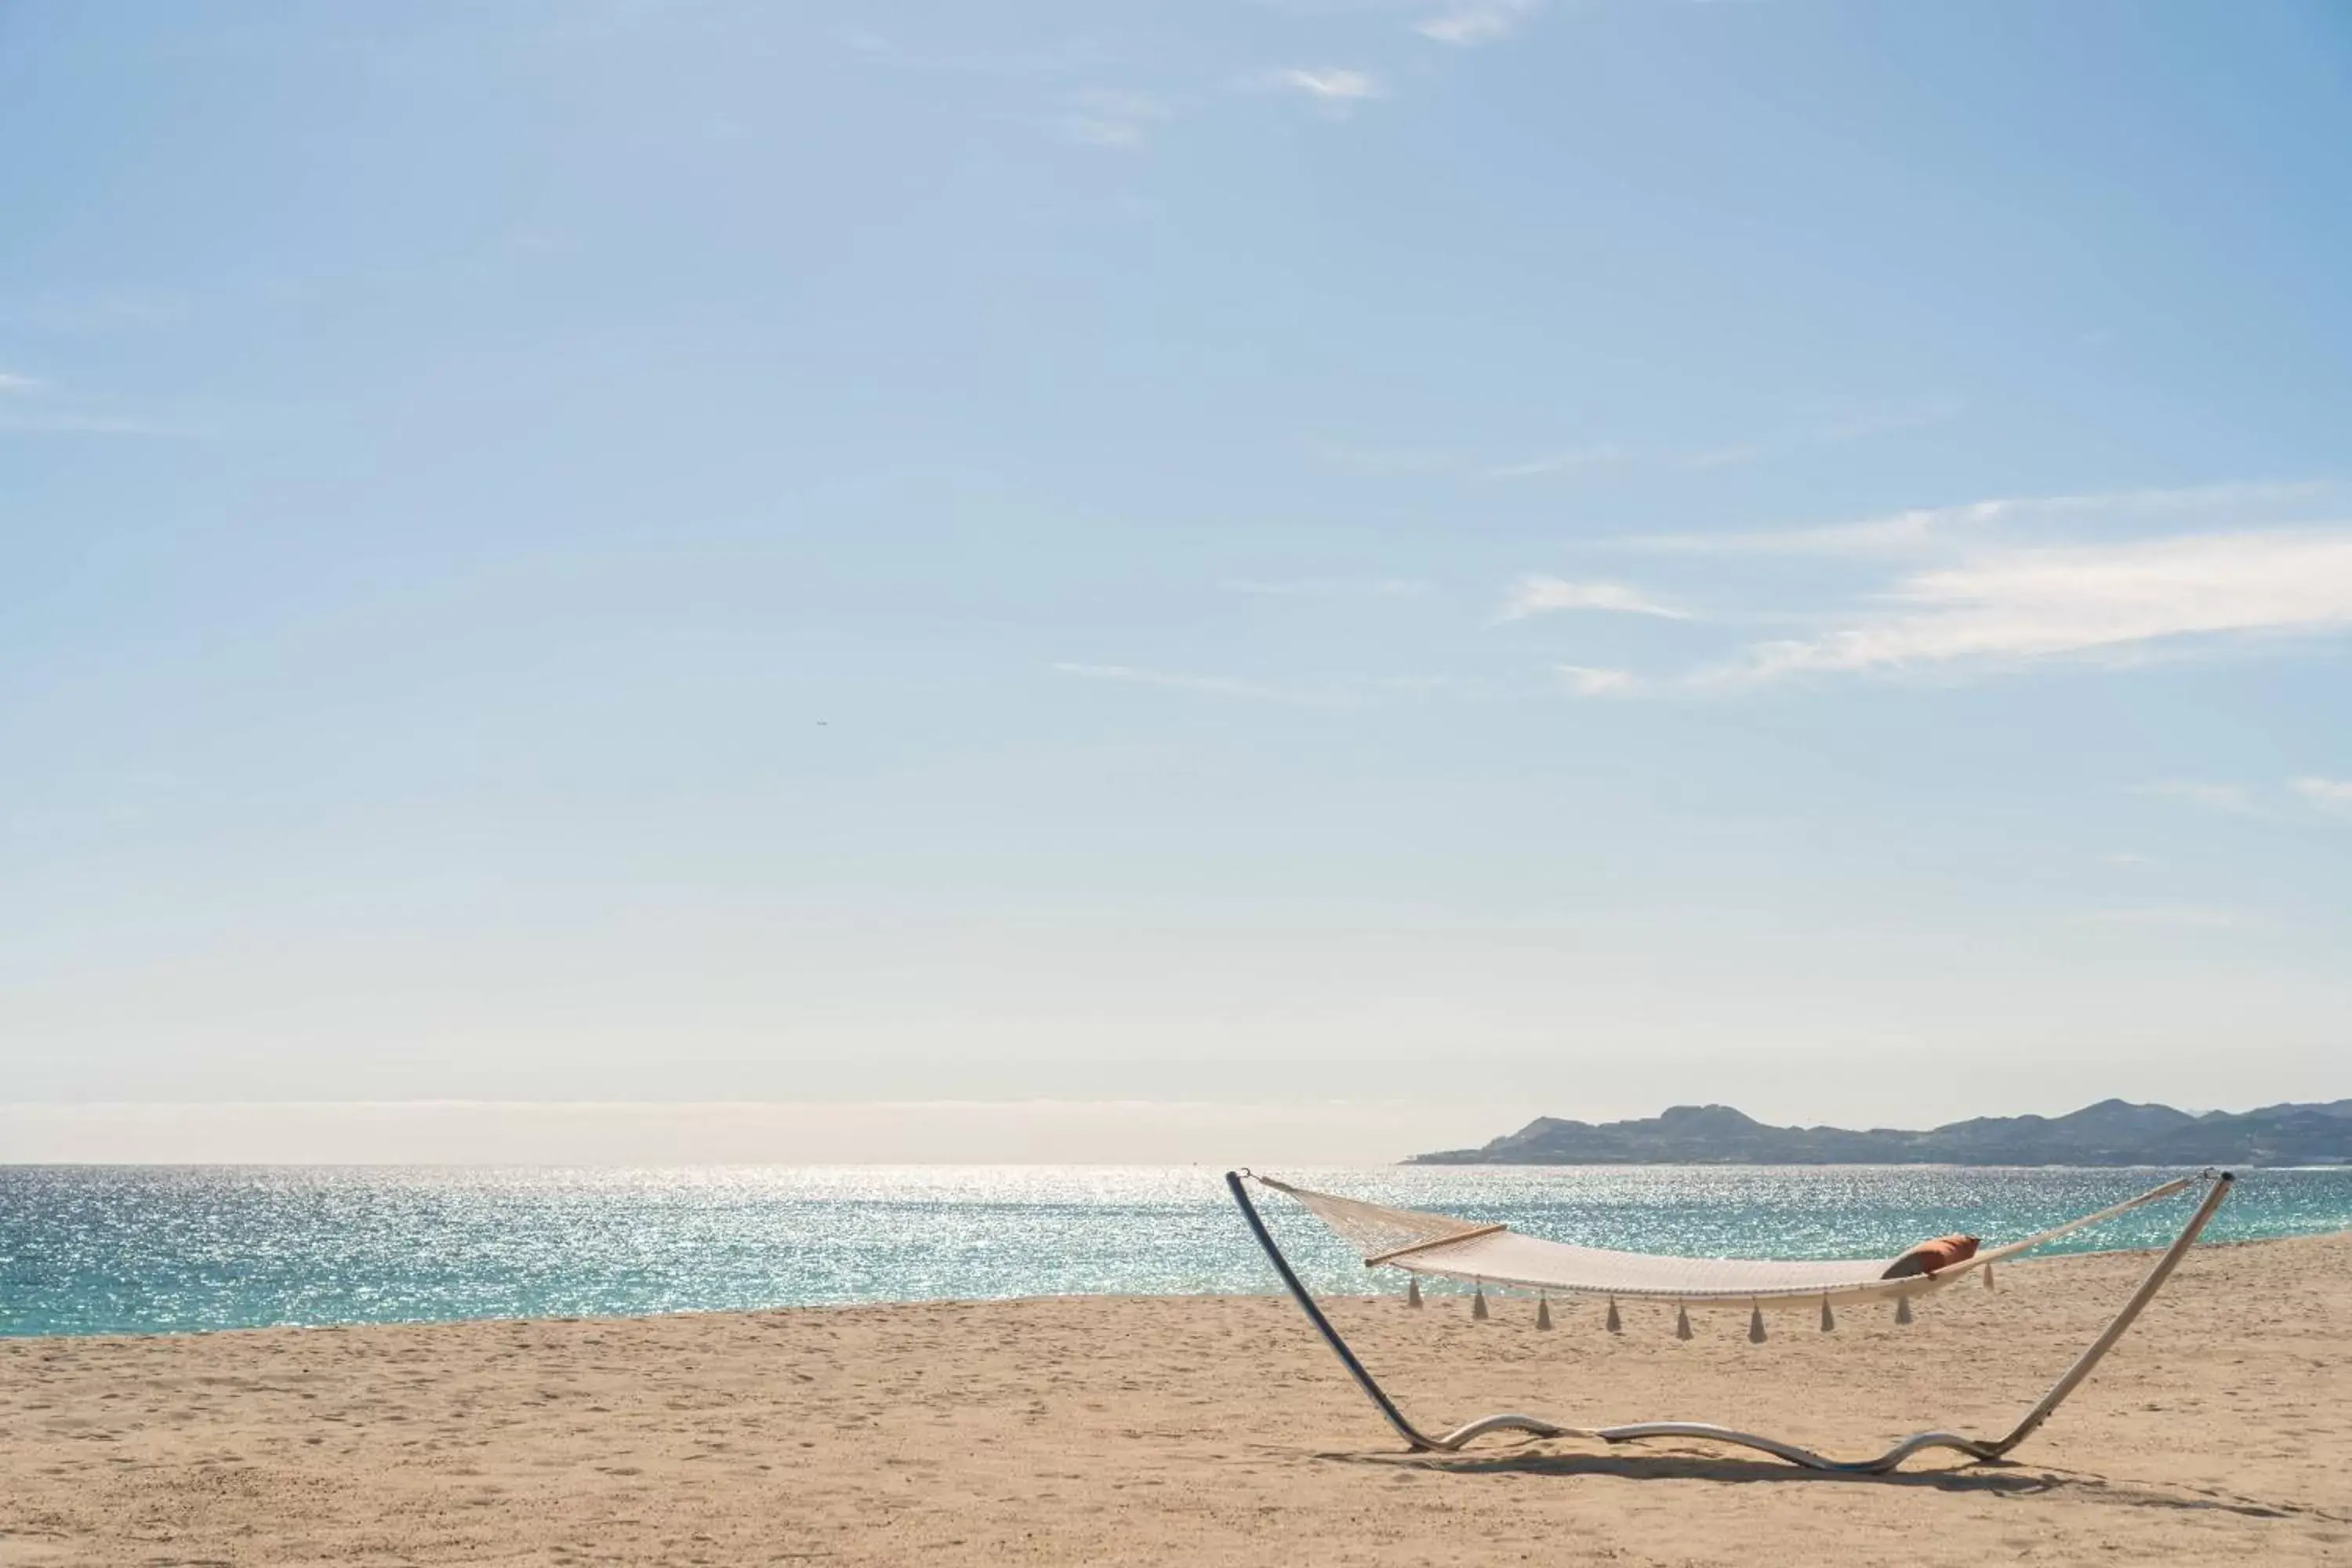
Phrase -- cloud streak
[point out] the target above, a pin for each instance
(1480, 22)
(2115, 602)
(1589, 681)
(2328, 794)
(32, 406)
(1557, 462)
(1338, 90)
(1928, 529)
(1103, 117)
(1538, 596)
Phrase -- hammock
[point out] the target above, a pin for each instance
(1421, 1243)
(1440, 1244)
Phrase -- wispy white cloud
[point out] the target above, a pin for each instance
(2235, 799)
(1476, 21)
(1330, 587)
(1589, 681)
(1537, 595)
(1923, 529)
(1338, 90)
(2239, 800)
(1902, 532)
(2116, 602)
(1104, 117)
(14, 386)
(2128, 857)
(2328, 794)
(1557, 462)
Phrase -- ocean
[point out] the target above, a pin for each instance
(148, 1249)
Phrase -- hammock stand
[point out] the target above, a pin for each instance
(1418, 1259)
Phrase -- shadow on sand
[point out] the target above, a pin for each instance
(1998, 1478)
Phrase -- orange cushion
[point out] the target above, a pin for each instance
(1930, 1256)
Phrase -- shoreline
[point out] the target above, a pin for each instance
(1437, 1290)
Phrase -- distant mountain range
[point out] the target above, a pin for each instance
(2112, 1132)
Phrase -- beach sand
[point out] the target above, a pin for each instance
(1201, 1431)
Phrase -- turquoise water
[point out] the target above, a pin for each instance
(146, 1249)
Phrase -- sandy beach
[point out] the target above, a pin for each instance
(1197, 1430)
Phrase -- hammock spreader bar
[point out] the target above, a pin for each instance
(2218, 1185)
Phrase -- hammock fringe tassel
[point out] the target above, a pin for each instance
(1616, 1324)
(1902, 1309)
(1829, 1319)
(1478, 1302)
(1682, 1321)
(1543, 1312)
(1756, 1324)
(1413, 1290)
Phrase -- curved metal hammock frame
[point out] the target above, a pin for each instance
(2218, 1185)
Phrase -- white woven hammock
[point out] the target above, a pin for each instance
(1453, 1248)
(1483, 1254)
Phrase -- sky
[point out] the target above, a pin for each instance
(1462, 560)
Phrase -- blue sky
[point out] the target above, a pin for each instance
(1568, 556)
